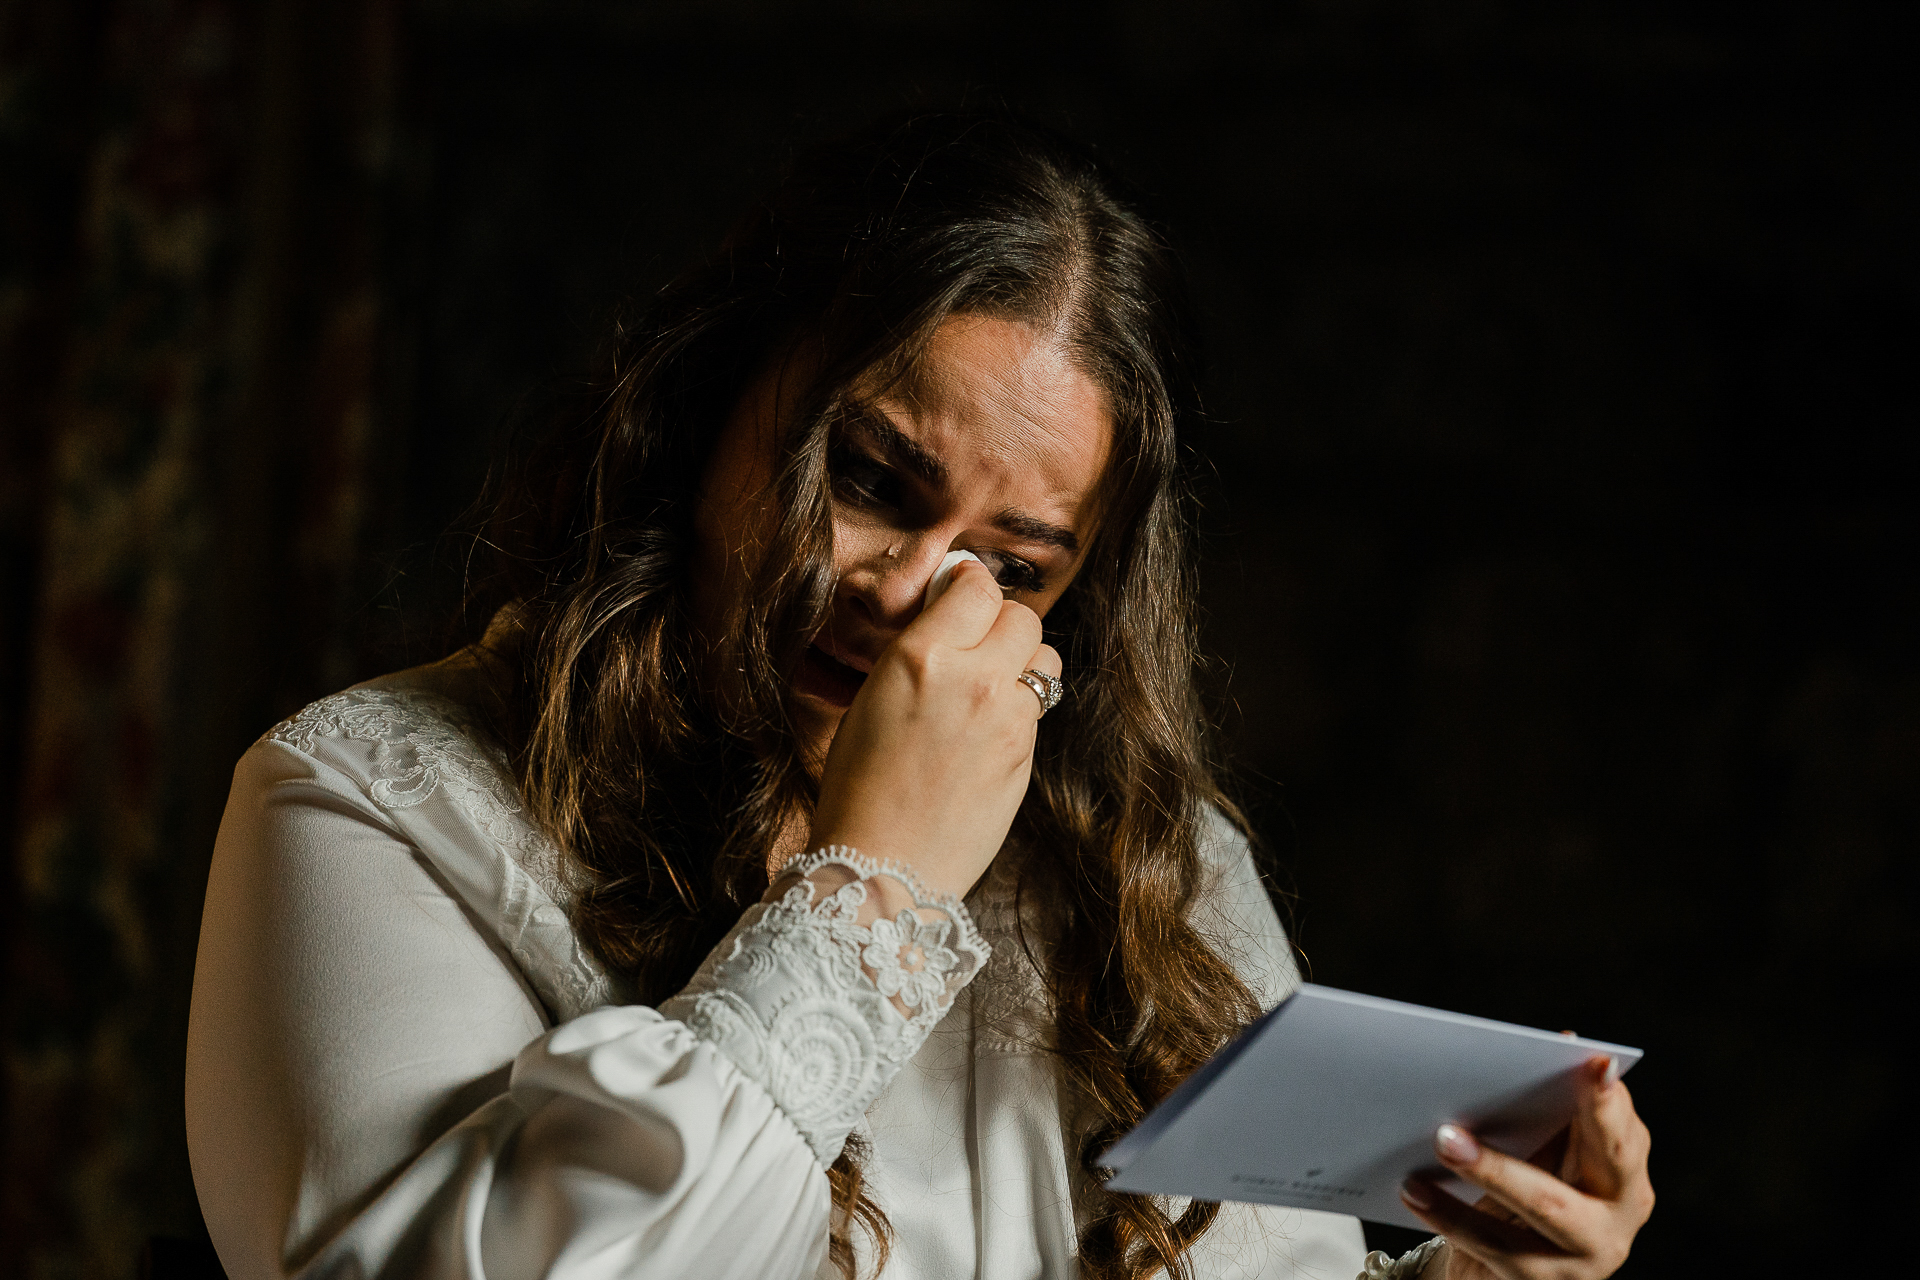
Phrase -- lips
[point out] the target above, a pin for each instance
(828, 678)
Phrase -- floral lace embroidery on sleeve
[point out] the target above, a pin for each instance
(821, 1009)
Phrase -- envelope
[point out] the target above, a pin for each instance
(1330, 1102)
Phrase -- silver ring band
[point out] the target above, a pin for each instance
(1049, 689)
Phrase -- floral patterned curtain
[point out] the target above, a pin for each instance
(190, 326)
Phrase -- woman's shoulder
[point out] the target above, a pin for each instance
(390, 710)
(434, 701)
(417, 744)
(406, 738)
(409, 744)
(1234, 910)
(423, 759)
(1222, 844)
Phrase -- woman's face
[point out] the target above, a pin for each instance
(993, 443)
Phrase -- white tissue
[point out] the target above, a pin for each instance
(944, 574)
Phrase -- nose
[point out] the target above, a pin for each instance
(886, 589)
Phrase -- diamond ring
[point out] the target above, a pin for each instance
(1049, 689)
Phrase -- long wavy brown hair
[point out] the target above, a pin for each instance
(667, 798)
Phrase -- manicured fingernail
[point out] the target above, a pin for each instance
(1456, 1145)
(1613, 1071)
(1415, 1195)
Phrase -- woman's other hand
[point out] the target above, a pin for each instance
(1533, 1225)
(932, 760)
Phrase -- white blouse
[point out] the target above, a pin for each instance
(403, 1062)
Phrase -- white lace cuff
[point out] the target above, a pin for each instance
(1407, 1266)
(820, 1009)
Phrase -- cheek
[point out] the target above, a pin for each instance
(735, 513)
(859, 543)
(730, 523)
(719, 561)
(1043, 605)
(845, 538)
(1057, 588)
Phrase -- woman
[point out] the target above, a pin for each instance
(630, 939)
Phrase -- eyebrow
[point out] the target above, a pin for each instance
(1032, 529)
(902, 450)
(909, 455)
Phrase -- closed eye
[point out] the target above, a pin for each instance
(862, 480)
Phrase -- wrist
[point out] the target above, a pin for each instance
(886, 897)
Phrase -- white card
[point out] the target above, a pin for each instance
(1331, 1100)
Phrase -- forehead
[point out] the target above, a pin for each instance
(1006, 410)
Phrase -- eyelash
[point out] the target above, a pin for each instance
(1014, 574)
(858, 479)
(862, 482)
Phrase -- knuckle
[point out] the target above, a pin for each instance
(1019, 615)
(980, 586)
(1493, 1168)
(918, 658)
(1553, 1203)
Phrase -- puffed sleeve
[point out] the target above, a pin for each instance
(374, 1089)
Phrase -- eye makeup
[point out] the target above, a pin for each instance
(1011, 572)
(861, 480)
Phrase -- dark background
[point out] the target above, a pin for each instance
(1561, 554)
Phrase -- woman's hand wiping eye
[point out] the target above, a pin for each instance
(932, 760)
